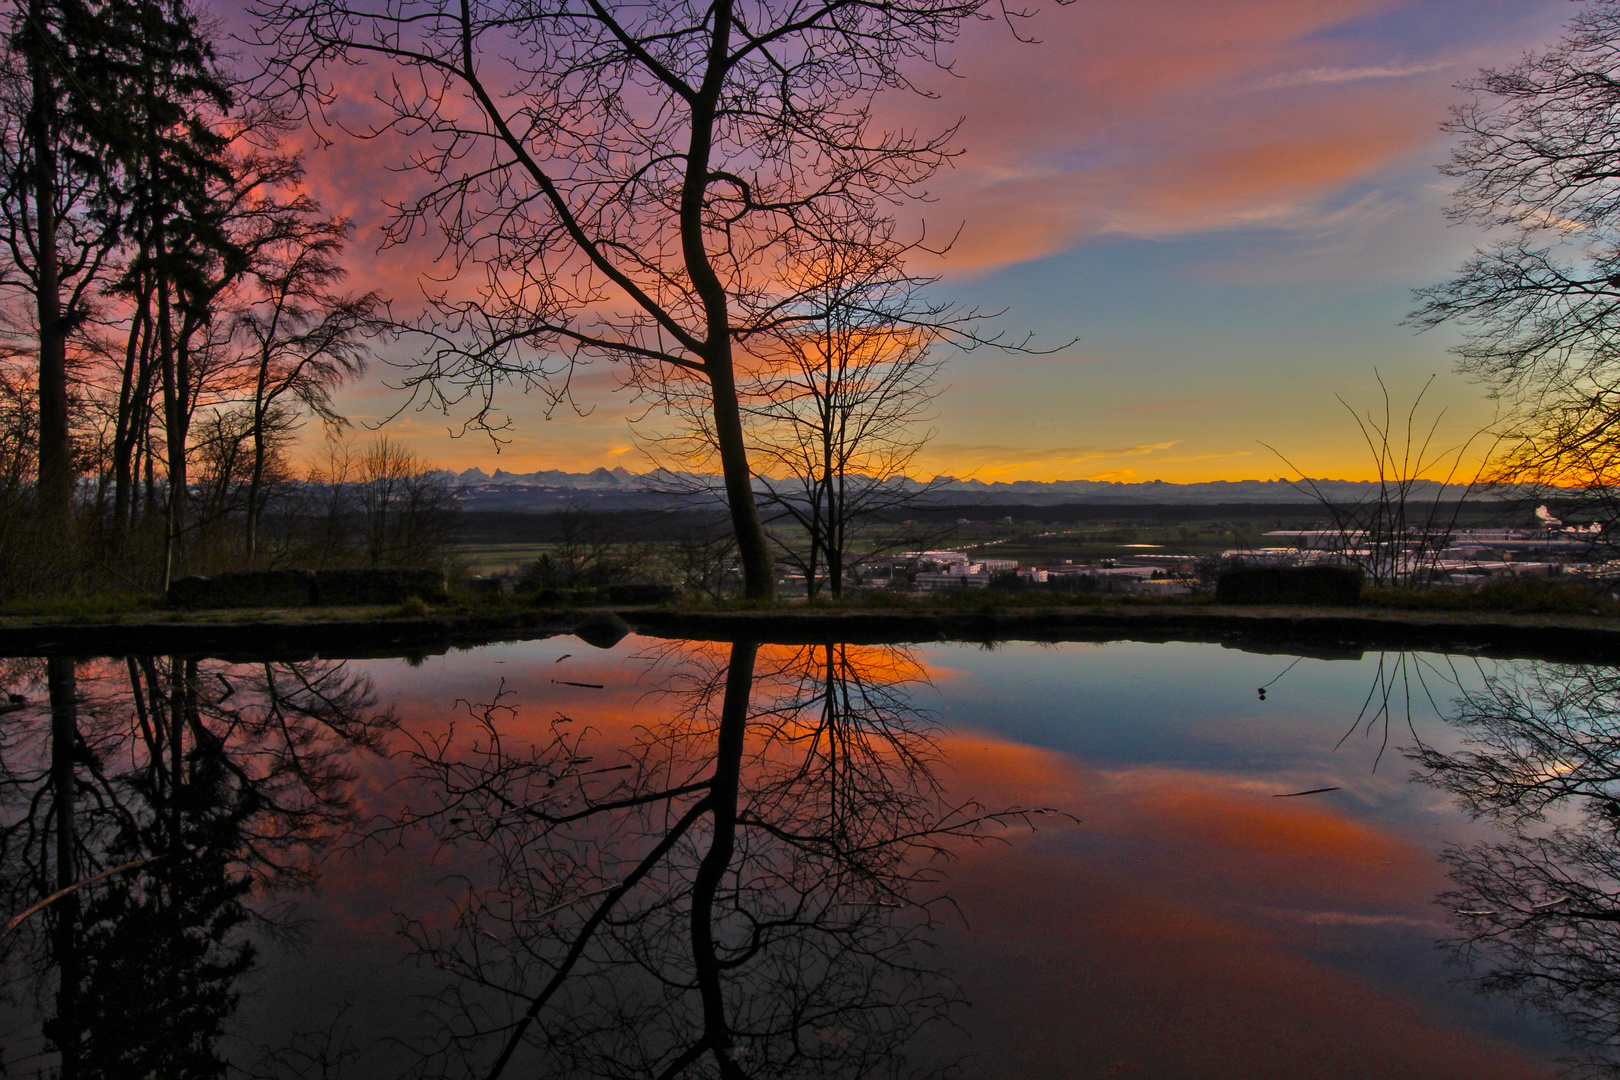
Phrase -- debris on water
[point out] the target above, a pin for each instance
(586, 685)
(1312, 791)
(563, 657)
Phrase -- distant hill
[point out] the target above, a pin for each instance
(620, 489)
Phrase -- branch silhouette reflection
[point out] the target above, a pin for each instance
(146, 800)
(743, 890)
(1537, 909)
(742, 887)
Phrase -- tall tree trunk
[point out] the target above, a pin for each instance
(62, 689)
(838, 513)
(829, 483)
(759, 576)
(812, 563)
(173, 431)
(134, 387)
(261, 414)
(55, 447)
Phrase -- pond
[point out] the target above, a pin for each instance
(675, 858)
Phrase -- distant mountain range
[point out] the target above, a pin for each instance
(621, 489)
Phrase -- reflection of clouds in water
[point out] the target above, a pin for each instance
(1188, 919)
(1351, 918)
(1180, 922)
(1096, 962)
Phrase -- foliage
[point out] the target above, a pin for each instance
(170, 304)
(1515, 595)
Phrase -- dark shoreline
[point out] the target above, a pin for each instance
(1338, 633)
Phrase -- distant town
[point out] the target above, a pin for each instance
(1464, 557)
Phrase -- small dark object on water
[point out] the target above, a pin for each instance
(1297, 794)
(1334, 585)
(563, 657)
(586, 685)
(1262, 692)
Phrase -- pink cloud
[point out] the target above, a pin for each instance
(1155, 119)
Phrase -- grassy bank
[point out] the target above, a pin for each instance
(1519, 596)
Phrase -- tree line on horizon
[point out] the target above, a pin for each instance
(172, 311)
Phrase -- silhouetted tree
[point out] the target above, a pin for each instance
(1540, 306)
(833, 405)
(304, 341)
(642, 182)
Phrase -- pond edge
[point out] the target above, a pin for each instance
(1329, 633)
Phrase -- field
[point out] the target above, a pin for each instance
(1035, 536)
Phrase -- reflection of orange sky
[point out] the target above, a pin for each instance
(1177, 945)
(1170, 933)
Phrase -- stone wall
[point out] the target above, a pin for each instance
(300, 588)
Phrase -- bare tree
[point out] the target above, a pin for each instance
(833, 410)
(635, 180)
(1396, 535)
(839, 420)
(304, 340)
(409, 510)
(1538, 164)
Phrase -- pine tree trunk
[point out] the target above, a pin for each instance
(55, 447)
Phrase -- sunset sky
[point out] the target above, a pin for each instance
(1227, 202)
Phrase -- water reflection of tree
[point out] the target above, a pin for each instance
(191, 783)
(742, 891)
(1538, 911)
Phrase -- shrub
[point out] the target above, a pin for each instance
(1333, 585)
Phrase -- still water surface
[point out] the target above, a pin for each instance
(697, 859)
